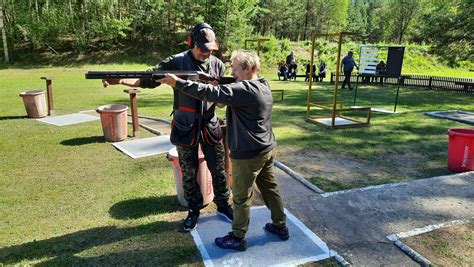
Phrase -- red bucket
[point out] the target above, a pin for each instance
(461, 150)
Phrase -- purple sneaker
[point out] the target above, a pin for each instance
(282, 232)
(231, 242)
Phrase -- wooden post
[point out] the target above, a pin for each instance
(133, 105)
(336, 83)
(308, 108)
(49, 92)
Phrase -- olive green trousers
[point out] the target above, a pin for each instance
(246, 172)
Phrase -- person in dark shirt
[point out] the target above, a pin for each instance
(308, 71)
(292, 70)
(282, 70)
(322, 71)
(380, 70)
(195, 124)
(290, 58)
(348, 65)
(251, 143)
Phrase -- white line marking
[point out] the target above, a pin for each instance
(308, 232)
(428, 228)
(206, 259)
(329, 194)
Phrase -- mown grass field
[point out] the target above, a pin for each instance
(69, 198)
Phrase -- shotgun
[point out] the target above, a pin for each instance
(155, 75)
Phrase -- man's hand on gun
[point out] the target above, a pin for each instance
(107, 82)
(169, 79)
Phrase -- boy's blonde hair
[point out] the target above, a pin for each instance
(246, 60)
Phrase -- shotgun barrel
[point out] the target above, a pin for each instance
(155, 75)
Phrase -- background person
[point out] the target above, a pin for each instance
(348, 65)
(322, 71)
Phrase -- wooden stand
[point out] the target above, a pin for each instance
(259, 41)
(336, 119)
(49, 92)
(133, 105)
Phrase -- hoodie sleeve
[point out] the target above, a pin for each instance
(234, 94)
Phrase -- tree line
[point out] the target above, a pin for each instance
(85, 25)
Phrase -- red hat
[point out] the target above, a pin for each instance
(205, 39)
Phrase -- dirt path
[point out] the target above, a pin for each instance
(336, 171)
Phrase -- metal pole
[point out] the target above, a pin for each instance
(355, 92)
(313, 38)
(396, 98)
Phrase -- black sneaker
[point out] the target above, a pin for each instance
(281, 232)
(231, 242)
(226, 212)
(190, 222)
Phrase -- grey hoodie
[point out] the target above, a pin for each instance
(249, 113)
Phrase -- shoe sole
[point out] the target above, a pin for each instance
(224, 216)
(189, 229)
(237, 248)
(282, 237)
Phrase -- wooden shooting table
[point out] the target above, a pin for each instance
(49, 92)
(133, 105)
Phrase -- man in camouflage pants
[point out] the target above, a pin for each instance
(195, 124)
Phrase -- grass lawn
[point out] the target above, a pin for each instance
(396, 147)
(67, 197)
(452, 246)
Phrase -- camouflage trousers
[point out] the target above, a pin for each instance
(189, 163)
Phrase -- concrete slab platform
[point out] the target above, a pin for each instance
(68, 119)
(264, 249)
(145, 147)
(455, 115)
(338, 121)
(378, 110)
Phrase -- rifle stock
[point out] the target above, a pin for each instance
(155, 75)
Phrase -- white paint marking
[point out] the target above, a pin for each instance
(206, 259)
(428, 228)
(458, 175)
(308, 232)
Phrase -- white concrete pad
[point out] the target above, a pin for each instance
(264, 249)
(145, 147)
(68, 119)
(378, 110)
(338, 121)
(455, 115)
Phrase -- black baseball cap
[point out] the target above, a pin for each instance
(205, 39)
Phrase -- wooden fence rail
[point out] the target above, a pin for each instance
(452, 84)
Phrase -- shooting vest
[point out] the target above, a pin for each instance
(193, 118)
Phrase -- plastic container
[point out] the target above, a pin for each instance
(114, 121)
(35, 103)
(204, 178)
(461, 150)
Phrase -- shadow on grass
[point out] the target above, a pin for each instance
(83, 141)
(156, 243)
(142, 207)
(4, 118)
